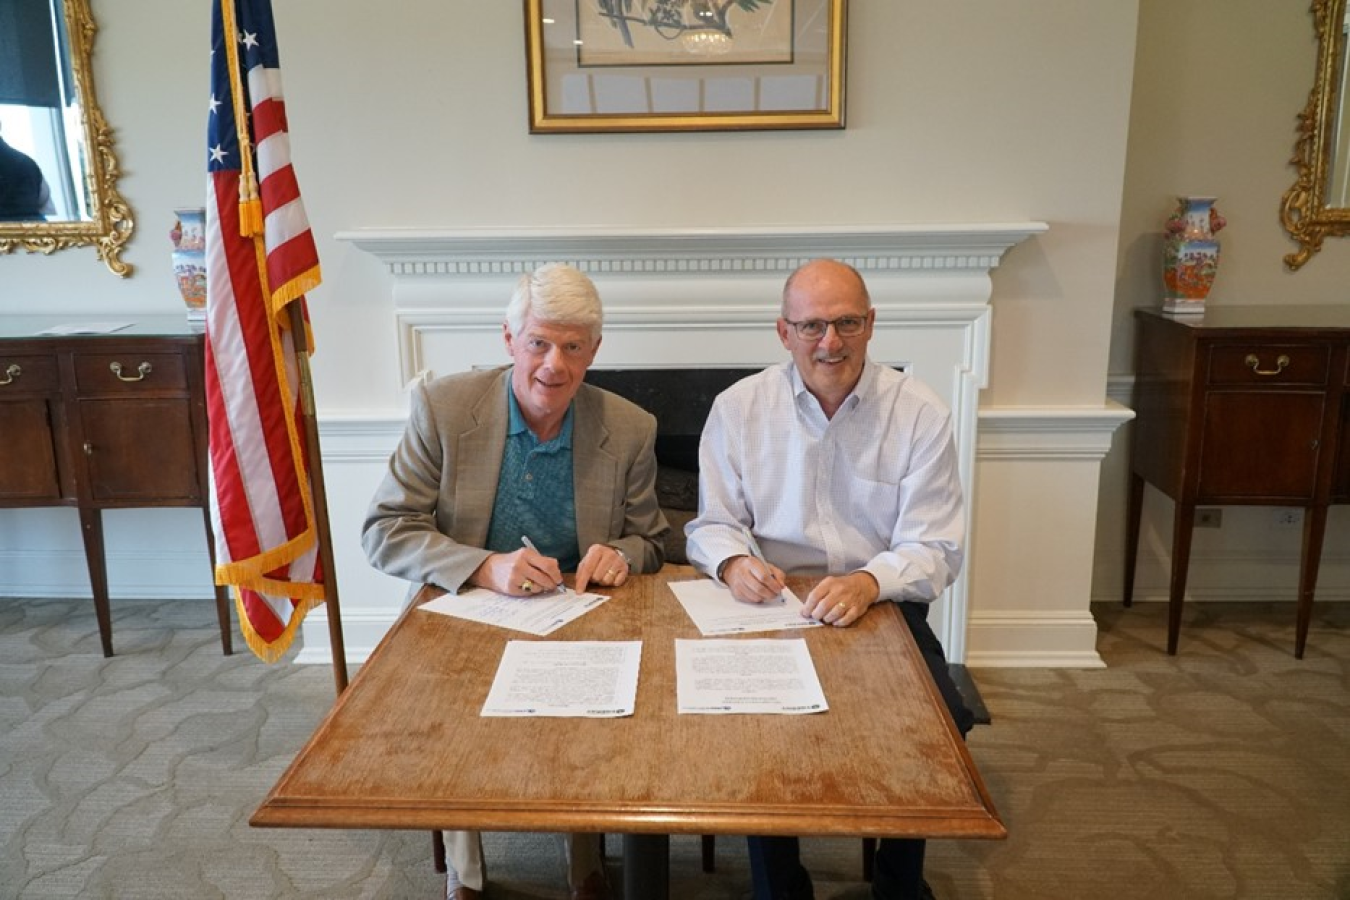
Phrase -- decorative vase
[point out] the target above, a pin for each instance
(1190, 254)
(189, 258)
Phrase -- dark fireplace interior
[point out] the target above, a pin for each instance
(680, 400)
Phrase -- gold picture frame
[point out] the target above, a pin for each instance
(1317, 206)
(684, 65)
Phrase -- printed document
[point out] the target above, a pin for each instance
(715, 611)
(87, 328)
(533, 615)
(577, 679)
(759, 675)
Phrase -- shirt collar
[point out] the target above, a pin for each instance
(865, 386)
(515, 422)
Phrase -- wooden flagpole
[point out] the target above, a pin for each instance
(300, 340)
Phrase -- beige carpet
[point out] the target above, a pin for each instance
(1221, 773)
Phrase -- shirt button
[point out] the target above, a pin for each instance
(529, 477)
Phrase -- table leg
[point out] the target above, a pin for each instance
(222, 592)
(646, 866)
(1133, 512)
(91, 530)
(1314, 529)
(1183, 522)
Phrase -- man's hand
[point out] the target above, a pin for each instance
(524, 573)
(605, 565)
(753, 581)
(841, 599)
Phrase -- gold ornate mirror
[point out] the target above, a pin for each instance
(49, 112)
(1318, 205)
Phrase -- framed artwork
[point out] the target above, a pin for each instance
(684, 65)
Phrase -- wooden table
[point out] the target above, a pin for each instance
(405, 747)
(1246, 405)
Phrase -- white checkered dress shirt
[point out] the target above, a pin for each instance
(874, 488)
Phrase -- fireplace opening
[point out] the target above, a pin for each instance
(680, 400)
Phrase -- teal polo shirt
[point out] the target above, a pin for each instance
(535, 493)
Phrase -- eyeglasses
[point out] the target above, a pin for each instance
(814, 329)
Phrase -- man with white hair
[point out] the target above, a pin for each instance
(529, 451)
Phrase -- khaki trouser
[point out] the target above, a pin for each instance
(464, 856)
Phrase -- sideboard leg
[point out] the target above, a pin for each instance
(1314, 529)
(1183, 522)
(91, 529)
(1134, 511)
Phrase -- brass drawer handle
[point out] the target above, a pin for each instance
(141, 371)
(12, 371)
(1253, 362)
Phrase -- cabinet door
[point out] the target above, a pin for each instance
(28, 455)
(1260, 446)
(140, 451)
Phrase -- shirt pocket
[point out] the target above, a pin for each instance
(873, 507)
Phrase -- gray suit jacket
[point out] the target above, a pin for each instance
(429, 517)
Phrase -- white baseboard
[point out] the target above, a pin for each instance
(362, 630)
(1033, 638)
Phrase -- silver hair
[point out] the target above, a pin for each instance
(558, 294)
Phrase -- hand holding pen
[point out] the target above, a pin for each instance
(542, 567)
(753, 579)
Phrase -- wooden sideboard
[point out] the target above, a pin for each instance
(1244, 405)
(109, 421)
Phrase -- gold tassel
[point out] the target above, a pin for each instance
(250, 206)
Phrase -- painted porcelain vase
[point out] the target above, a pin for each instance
(189, 256)
(1190, 254)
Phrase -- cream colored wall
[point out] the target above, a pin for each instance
(413, 113)
(1218, 84)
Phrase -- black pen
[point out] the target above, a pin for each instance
(525, 539)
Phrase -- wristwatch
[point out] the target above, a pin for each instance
(627, 560)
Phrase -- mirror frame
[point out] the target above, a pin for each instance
(111, 221)
(1304, 211)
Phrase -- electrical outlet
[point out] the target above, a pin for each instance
(1208, 517)
(1288, 517)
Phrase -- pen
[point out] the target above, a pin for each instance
(754, 548)
(754, 545)
(560, 588)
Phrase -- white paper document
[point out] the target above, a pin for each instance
(715, 611)
(533, 615)
(87, 328)
(577, 679)
(760, 675)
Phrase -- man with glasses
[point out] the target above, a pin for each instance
(831, 464)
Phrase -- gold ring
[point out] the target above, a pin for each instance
(841, 607)
(527, 585)
(611, 570)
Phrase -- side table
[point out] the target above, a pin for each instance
(109, 421)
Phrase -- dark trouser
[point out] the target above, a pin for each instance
(775, 862)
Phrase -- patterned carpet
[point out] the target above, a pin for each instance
(1223, 772)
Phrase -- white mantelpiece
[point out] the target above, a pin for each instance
(683, 298)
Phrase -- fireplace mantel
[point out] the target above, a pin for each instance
(410, 252)
(708, 297)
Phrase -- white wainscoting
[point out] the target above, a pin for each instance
(1021, 613)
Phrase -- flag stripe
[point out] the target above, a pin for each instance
(262, 508)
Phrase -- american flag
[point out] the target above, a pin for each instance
(260, 257)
